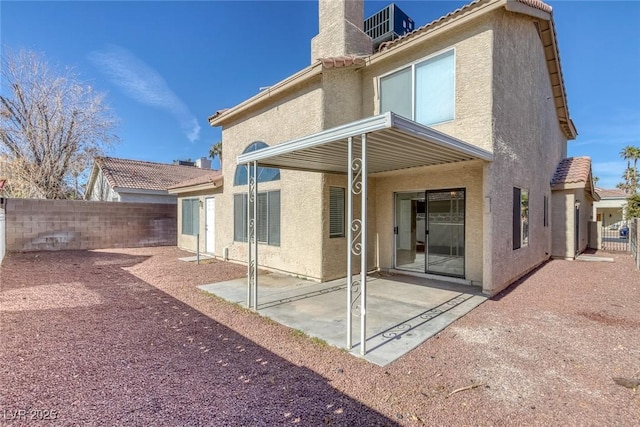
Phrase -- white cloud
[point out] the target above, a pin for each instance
(144, 84)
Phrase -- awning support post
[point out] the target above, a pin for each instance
(363, 255)
(252, 236)
(357, 241)
(255, 236)
(349, 240)
(249, 235)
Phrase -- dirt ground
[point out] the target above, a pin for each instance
(123, 336)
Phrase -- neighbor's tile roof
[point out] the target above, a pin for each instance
(572, 170)
(211, 176)
(125, 173)
(611, 193)
(537, 4)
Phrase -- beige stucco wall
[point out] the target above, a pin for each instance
(564, 217)
(562, 220)
(189, 242)
(473, 69)
(334, 258)
(528, 144)
(586, 215)
(300, 250)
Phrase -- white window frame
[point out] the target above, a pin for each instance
(195, 216)
(267, 225)
(413, 65)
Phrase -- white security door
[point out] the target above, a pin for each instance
(210, 225)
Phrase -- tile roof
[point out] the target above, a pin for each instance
(136, 174)
(210, 177)
(537, 4)
(611, 193)
(572, 170)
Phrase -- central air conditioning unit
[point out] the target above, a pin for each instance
(388, 24)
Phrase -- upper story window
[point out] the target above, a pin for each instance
(264, 174)
(423, 92)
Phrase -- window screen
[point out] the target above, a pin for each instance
(190, 216)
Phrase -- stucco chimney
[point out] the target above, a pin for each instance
(341, 25)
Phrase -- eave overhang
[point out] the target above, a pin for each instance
(212, 185)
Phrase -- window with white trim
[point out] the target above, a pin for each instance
(264, 174)
(423, 92)
(336, 212)
(268, 220)
(190, 216)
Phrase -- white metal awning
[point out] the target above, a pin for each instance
(393, 142)
(376, 144)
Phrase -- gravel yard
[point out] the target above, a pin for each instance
(123, 336)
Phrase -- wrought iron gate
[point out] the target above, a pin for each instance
(615, 237)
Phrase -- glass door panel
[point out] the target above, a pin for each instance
(410, 231)
(445, 232)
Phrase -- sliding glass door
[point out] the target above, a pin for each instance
(429, 232)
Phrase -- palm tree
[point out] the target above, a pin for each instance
(216, 150)
(631, 153)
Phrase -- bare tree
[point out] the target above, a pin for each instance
(51, 126)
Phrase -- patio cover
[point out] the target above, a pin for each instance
(376, 144)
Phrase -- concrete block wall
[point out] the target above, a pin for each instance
(36, 224)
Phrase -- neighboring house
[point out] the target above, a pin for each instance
(198, 195)
(611, 207)
(124, 180)
(573, 199)
(465, 122)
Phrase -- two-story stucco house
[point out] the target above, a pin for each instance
(452, 133)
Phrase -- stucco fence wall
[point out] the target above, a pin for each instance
(36, 224)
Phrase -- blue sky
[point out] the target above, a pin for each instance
(168, 65)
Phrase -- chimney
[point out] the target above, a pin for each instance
(341, 25)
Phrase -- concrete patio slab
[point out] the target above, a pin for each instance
(402, 311)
